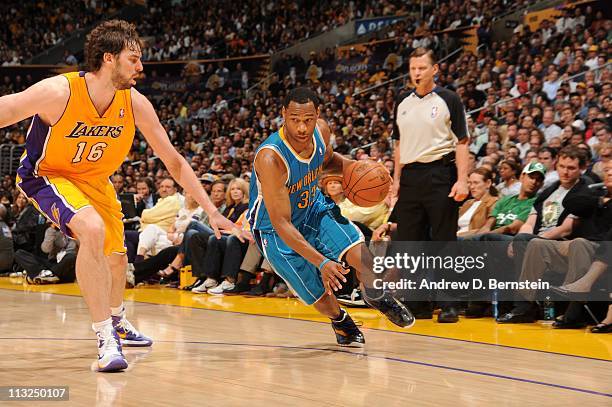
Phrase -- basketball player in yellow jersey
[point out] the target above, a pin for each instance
(82, 128)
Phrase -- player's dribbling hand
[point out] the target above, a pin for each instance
(332, 273)
(459, 192)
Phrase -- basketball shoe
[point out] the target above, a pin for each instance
(46, 277)
(110, 355)
(354, 299)
(347, 333)
(205, 286)
(128, 334)
(392, 308)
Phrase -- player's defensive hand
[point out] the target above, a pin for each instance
(459, 192)
(332, 273)
(220, 223)
(246, 235)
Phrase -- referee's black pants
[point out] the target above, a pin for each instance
(426, 213)
(424, 210)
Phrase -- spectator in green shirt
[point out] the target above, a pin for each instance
(511, 212)
(507, 217)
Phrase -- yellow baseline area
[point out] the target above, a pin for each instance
(537, 336)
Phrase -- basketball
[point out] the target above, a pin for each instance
(366, 183)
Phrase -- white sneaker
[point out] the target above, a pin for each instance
(46, 277)
(218, 290)
(205, 286)
(18, 274)
(128, 334)
(210, 283)
(110, 355)
(199, 289)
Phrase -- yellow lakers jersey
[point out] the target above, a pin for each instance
(82, 144)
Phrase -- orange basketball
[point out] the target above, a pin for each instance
(366, 183)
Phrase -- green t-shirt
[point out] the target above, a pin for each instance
(510, 208)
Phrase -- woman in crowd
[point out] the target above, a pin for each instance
(509, 172)
(221, 262)
(474, 212)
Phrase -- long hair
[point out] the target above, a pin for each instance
(487, 175)
(244, 187)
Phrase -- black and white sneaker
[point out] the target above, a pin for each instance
(354, 299)
(393, 309)
(347, 333)
(46, 277)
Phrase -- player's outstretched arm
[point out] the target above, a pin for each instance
(148, 123)
(47, 98)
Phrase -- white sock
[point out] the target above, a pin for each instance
(103, 326)
(118, 311)
(341, 317)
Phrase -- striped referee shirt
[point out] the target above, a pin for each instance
(429, 126)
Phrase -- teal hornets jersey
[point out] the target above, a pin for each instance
(302, 181)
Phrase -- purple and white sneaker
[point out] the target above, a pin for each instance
(128, 334)
(110, 356)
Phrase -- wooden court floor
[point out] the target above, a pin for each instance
(236, 351)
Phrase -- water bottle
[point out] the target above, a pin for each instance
(549, 309)
(494, 305)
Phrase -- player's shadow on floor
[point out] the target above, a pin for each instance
(279, 355)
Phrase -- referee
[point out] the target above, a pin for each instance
(431, 163)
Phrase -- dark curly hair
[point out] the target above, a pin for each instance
(111, 36)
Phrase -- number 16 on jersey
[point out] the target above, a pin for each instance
(95, 153)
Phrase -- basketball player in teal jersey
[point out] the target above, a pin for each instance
(299, 230)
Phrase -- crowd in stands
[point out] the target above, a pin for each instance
(254, 27)
(204, 29)
(31, 27)
(198, 29)
(548, 138)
